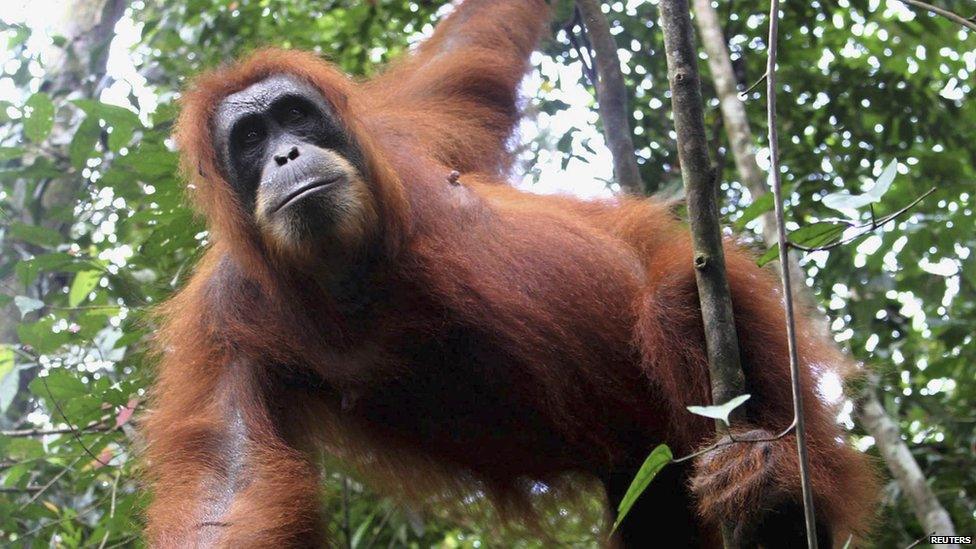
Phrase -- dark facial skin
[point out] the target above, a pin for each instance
(288, 157)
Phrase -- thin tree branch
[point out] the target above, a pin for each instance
(96, 427)
(57, 405)
(50, 483)
(919, 541)
(125, 541)
(611, 95)
(73, 430)
(111, 510)
(699, 180)
(701, 189)
(874, 225)
(95, 504)
(732, 440)
(16, 490)
(955, 17)
(346, 520)
(584, 53)
(752, 86)
(784, 256)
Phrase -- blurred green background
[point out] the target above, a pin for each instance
(94, 229)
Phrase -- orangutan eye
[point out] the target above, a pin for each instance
(296, 114)
(250, 134)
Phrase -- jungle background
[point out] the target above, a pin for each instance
(876, 110)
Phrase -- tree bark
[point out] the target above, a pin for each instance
(875, 420)
(700, 180)
(701, 190)
(88, 27)
(611, 95)
(900, 461)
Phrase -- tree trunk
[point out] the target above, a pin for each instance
(701, 189)
(900, 461)
(611, 95)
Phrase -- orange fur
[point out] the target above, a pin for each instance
(503, 337)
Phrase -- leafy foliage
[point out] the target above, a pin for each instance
(656, 460)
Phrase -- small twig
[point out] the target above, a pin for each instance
(872, 226)
(732, 440)
(125, 541)
(82, 307)
(97, 427)
(50, 483)
(96, 504)
(27, 351)
(574, 40)
(745, 92)
(379, 529)
(920, 540)
(16, 490)
(777, 184)
(111, 510)
(74, 431)
(346, 520)
(943, 12)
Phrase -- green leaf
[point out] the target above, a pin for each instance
(38, 124)
(815, 235)
(83, 284)
(771, 254)
(884, 181)
(9, 377)
(660, 457)
(40, 336)
(42, 168)
(123, 121)
(849, 203)
(9, 386)
(28, 269)
(6, 360)
(149, 162)
(120, 136)
(20, 35)
(758, 207)
(59, 384)
(23, 449)
(34, 234)
(83, 142)
(720, 411)
(111, 114)
(819, 234)
(7, 153)
(27, 305)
